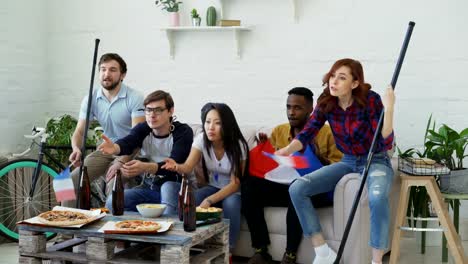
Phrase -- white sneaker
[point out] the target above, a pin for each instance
(325, 260)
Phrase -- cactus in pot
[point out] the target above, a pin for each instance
(211, 16)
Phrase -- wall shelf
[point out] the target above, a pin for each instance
(236, 31)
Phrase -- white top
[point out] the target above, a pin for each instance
(157, 149)
(218, 170)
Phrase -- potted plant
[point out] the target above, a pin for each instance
(196, 20)
(171, 6)
(448, 147)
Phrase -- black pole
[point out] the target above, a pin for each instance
(396, 73)
(88, 111)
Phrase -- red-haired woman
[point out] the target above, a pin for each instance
(353, 112)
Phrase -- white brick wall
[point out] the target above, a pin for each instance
(23, 70)
(277, 55)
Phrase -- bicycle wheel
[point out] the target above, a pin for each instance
(15, 201)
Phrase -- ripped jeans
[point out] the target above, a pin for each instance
(379, 183)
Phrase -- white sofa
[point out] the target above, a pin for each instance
(333, 219)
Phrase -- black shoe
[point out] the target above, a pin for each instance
(288, 258)
(260, 258)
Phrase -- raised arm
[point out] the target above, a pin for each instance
(388, 102)
(186, 167)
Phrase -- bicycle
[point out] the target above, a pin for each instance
(26, 188)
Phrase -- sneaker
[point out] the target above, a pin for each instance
(260, 258)
(325, 260)
(288, 258)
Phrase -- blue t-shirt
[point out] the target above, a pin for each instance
(115, 117)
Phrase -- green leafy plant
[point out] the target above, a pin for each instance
(60, 131)
(169, 5)
(194, 13)
(447, 146)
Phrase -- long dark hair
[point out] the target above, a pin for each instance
(232, 137)
(327, 102)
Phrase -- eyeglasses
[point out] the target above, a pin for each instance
(156, 111)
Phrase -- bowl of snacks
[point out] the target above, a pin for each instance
(151, 210)
(207, 213)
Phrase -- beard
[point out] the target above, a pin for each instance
(297, 123)
(110, 86)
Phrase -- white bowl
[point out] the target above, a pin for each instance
(151, 210)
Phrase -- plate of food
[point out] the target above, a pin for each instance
(135, 227)
(65, 217)
(207, 213)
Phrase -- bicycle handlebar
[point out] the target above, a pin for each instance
(36, 133)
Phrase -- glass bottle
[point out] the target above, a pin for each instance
(190, 221)
(118, 202)
(85, 187)
(180, 202)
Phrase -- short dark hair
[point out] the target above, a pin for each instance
(303, 91)
(159, 95)
(114, 56)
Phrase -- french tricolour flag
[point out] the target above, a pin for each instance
(264, 164)
(63, 186)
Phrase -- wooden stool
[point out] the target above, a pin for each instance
(453, 240)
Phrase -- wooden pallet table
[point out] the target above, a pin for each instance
(90, 246)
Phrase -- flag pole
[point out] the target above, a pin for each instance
(88, 112)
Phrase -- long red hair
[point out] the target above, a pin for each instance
(327, 102)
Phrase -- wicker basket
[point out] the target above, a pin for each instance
(422, 167)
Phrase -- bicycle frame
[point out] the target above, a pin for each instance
(36, 134)
(37, 170)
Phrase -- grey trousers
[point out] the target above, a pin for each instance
(97, 164)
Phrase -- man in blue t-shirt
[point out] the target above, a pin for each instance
(117, 108)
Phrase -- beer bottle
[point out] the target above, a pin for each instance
(118, 202)
(85, 187)
(180, 202)
(190, 222)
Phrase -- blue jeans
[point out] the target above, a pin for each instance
(379, 183)
(166, 194)
(231, 210)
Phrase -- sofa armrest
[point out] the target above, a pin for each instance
(343, 199)
(345, 193)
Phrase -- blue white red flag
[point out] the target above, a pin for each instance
(63, 186)
(282, 169)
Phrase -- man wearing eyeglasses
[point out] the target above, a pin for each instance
(160, 138)
(117, 108)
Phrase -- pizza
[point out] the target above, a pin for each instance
(103, 209)
(63, 218)
(137, 225)
(208, 210)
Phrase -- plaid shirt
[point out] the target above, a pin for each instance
(353, 129)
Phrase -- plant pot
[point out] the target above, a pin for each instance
(455, 182)
(196, 21)
(174, 19)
